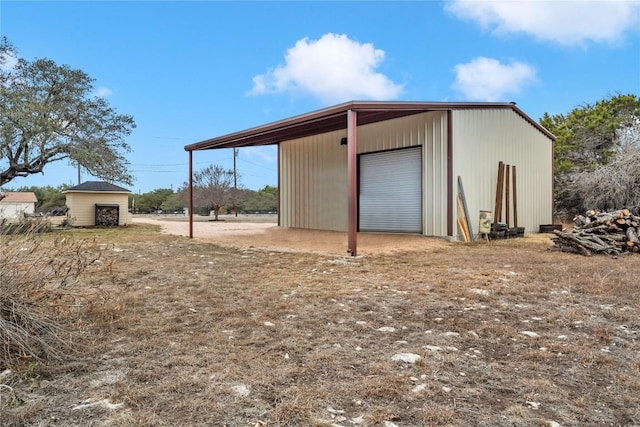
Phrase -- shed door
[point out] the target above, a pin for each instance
(391, 191)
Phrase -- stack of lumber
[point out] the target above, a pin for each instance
(601, 233)
(463, 218)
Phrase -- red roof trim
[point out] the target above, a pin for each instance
(335, 118)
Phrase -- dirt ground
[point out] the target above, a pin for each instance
(262, 231)
(256, 327)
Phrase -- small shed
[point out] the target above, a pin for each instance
(378, 166)
(98, 203)
(16, 204)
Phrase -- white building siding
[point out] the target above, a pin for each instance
(82, 207)
(484, 137)
(16, 210)
(313, 171)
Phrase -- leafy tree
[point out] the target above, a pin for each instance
(266, 199)
(175, 201)
(47, 114)
(48, 197)
(237, 197)
(212, 188)
(590, 140)
(151, 201)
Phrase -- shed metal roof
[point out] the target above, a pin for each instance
(335, 118)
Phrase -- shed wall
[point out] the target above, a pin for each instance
(16, 210)
(82, 207)
(481, 139)
(313, 171)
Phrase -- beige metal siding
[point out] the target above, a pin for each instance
(435, 175)
(313, 175)
(482, 138)
(82, 207)
(429, 130)
(313, 171)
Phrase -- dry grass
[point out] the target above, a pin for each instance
(40, 283)
(189, 333)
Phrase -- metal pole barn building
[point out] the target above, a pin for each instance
(376, 166)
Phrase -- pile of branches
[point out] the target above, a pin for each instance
(611, 233)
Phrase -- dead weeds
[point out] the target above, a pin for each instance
(507, 333)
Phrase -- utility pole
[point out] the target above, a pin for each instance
(235, 182)
(78, 173)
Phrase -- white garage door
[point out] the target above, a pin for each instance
(391, 191)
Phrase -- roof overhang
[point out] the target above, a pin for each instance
(335, 118)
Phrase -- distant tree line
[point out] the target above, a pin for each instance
(218, 200)
(167, 200)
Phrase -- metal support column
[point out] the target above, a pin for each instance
(191, 194)
(352, 178)
(449, 174)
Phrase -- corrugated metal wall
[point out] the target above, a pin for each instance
(429, 130)
(313, 175)
(435, 175)
(313, 190)
(482, 138)
(313, 182)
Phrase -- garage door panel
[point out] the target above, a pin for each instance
(391, 191)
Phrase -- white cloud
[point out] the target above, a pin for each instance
(487, 79)
(102, 92)
(266, 154)
(332, 69)
(566, 22)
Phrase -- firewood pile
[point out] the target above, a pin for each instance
(609, 233)
(107, 216)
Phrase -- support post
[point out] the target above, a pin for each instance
(352, 178)
(515, 197)
(279, 187)
(191, 194)
(235, 182)
(497, 212)
(507, 196)
(449, 173)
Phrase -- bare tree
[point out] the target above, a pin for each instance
(615, 185)
(213, 188)
(595, 158)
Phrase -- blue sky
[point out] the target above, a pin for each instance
(189, 71)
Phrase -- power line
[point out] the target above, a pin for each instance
(256, 164)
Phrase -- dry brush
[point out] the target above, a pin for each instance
(37, 278)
